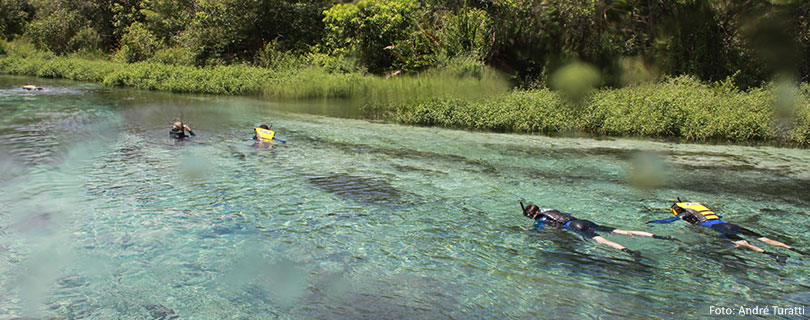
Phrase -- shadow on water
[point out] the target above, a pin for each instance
(361, 189)
(786, 190)
(394, 153)
(564, 250)
(690, 176)
(693, 177)
(391, 296)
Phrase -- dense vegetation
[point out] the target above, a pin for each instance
(697, 69)
(309, 78)
(679, 107)
(530, 39)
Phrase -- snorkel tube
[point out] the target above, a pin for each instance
(533, 214)
(675, 208)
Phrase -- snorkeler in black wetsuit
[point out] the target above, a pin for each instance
(699, 215)
(178, 131)
(587, 229)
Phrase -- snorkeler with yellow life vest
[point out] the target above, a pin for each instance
(699, 215)
(263, 134)
(30, 87)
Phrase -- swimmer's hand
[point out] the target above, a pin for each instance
(781, 258)
(635, 254)
(666, 238)
(804, 253)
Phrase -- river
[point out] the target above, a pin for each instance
(104, 217)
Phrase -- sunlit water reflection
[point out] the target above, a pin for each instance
(103, 216)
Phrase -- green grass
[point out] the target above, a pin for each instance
(302, 81)
(467, 96)
(680, 107)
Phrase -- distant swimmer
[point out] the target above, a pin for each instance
(263, 134)
(178, 131)
(31, 87)
(699, 215)
(587, 229)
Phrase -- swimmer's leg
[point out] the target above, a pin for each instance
(587, 228)
(762, 238)
(783, 245)
(745, 244)
(601, 240)
(640, 234)
(729, 231)
(742, 243)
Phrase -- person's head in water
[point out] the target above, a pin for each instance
(531, 211)
(264, 126)
(178, 126)
(179, 129)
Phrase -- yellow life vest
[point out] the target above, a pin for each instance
(30, 87)
(264, 134)
(697, 207)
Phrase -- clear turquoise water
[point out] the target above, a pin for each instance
(103, 216)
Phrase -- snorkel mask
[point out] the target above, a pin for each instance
(178, 126)
(531, 211)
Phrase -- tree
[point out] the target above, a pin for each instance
(14, 15)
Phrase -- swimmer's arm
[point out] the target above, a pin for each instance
(669, 220)
(189, 130)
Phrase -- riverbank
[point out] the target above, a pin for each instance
(465, 97)
(680, 108)
(313, 78)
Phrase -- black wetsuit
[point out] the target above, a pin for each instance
(560, 220)
(180, 134)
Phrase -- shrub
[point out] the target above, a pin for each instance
(680, 107)
(137, 44)
(333, 64)
(173, 56)
(370, 29)
(468, 32)
(271, 56)
(14, 15)
(86, 39)
(55, 31)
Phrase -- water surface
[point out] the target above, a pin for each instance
(103, 216)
